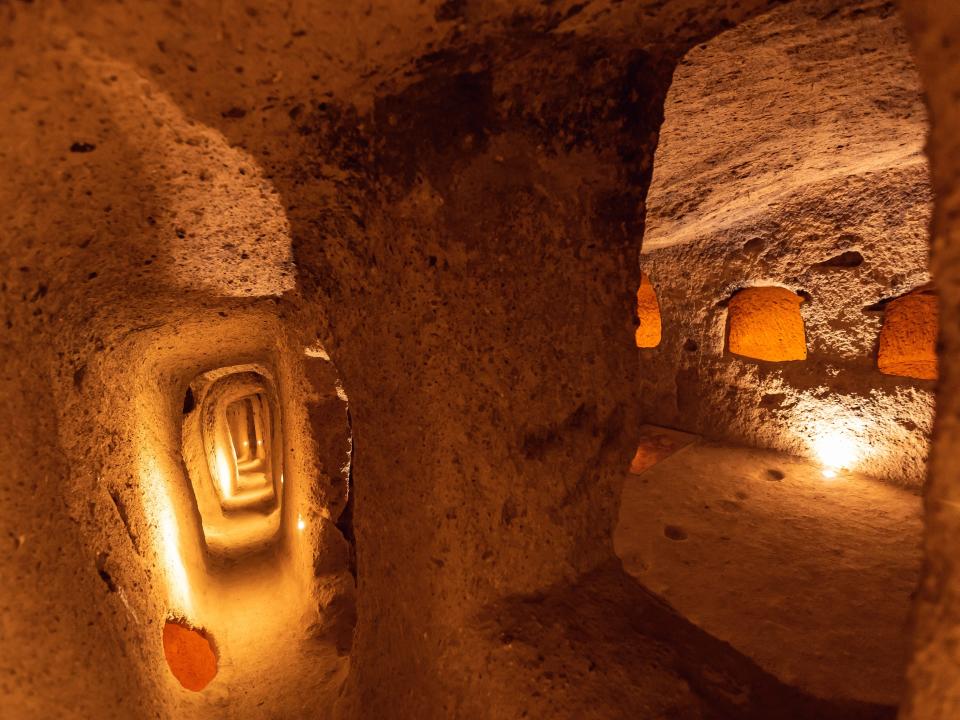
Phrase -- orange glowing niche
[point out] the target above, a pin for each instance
(908, 338)
(657, 443)
(648, 314)
(190, 655)
(765, 324)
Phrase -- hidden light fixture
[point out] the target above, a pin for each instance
(836, 451)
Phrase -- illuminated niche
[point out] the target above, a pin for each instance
(648, 314)
(232, 446)
(908, 338)
(764, 323)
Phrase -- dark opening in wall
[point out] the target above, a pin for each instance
(847, 259)
(189, 402)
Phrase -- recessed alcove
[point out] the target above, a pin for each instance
(648, 314)
(764, 323)
(774, 495)
(908, 337)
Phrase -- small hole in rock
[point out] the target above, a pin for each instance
(103, 573)
(674, 532)
(848, 259)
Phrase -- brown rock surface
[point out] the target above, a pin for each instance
(812, 178)
(446, 199)
(934, 692)
(810, 577)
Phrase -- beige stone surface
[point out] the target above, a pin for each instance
(445, 199)
(442, 204)
(810, 577)
(811, 178)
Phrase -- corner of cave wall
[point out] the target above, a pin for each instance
(934, 691)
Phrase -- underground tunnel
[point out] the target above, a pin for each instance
(459, 359)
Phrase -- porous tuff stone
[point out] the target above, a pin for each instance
(935, 675)
(815, 153)
(460, 188)
(448, 197)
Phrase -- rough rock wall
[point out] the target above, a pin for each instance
(462, 243)
(935, 673)
(812, 178)
(139, 249)
(463, 185)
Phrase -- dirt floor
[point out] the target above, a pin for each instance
(810, 577)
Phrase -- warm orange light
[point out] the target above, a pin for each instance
(190, 655)
(167, 537)
(908, 338)
(648, 315)
(835, 451)
(765, 324)
(225, 474)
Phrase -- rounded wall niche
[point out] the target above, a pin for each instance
(764, 323)
(649, 328)
(908, 338)
(233, 450)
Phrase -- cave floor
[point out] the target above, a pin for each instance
(270, 665)
(810, 577)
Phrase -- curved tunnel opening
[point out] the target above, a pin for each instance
(245, 480)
